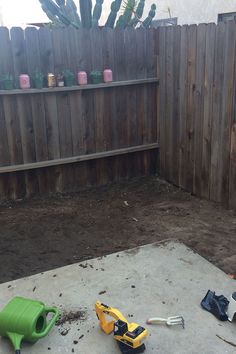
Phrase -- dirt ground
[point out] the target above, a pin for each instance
(45, 233)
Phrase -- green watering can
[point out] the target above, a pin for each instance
(25, 319)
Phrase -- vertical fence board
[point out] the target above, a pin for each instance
(120, 104)
(175, 103)
(191, 72)
(23, 101)
(227, 107)
(150, 95)
(199, 107)
(162, 89)
(99, 102)
(208, 110)
(24, 110)
(37, 102)
(52, 177)
(169, 102)
(232, 175)
(215, 176)
(13, 186)
(183, 87)
(133, 116)
(108, 63)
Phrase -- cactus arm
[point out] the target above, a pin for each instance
(55, 13)
(86, 13)
(140, 8)
(97, 11)
(115, 7)
(129, 9)
(71, 11)
(51, 17)
(60, 2)
(138, 14)
(147, 22)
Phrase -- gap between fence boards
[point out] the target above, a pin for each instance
(74, 159)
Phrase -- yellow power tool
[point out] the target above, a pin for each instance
(129, 336)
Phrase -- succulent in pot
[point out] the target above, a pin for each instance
(38, 79)
(7, 82)
(69, 78)
(96, 77)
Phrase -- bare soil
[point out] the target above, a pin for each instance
(45, 233)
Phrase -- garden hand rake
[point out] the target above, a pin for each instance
(170, 321)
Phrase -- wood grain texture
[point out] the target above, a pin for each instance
(199, 107)
(183, 89)
(227, 108)
(208, 110)
(215, 172)
(191, 72)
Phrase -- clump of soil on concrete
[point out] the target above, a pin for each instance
(70, 317)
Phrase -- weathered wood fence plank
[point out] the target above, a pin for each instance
(197, 109)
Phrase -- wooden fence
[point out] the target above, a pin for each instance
(55, 140)
(104, 133)
(197, 110)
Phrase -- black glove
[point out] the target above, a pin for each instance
(217, 305)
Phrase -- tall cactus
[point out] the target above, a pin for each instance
(54, 12)
(97, 11)
(147, 22)
(138, 14)
(124, 19)
(86, 13)
(72, 13)
(64, 13)
(115, 7)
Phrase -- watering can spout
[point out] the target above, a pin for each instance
(16, 340)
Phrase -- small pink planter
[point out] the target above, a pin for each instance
(107, 75)
(82, 78)
(24, 81)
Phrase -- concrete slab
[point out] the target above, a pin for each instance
(154, 280)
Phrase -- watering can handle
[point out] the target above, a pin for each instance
(50, 323)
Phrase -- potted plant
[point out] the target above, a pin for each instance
(96, 77)
(7, 82)
(38, 79)
(69, 78)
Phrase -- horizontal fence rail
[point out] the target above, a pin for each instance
(79, 88)
(74, 159)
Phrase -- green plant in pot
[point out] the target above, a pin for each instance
(96, 77)
(69, 78)
(7, 82)
(38, 79)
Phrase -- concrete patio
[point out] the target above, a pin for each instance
(162, 280)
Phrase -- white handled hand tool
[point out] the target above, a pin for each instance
(170, 321)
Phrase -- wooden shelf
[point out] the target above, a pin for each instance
(80, 88)
(74, 159)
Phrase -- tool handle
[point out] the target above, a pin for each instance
(50, 323)
(156, 320)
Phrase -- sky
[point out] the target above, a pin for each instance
(21, 12)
